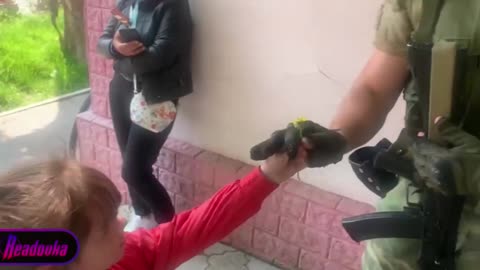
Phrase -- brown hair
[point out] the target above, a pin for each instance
(57, 194)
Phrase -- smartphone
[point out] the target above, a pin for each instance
(129, 34)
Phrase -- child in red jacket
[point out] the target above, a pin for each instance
(66, 194)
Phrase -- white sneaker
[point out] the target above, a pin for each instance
(137, 222)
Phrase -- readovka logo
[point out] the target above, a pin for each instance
(37, 247)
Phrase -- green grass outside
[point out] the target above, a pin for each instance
(32, 66)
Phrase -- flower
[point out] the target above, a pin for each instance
(299, 120)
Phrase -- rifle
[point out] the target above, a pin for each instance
(438, 73)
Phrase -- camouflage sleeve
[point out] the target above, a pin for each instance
(393, 27)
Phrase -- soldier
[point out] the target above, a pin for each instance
(376, 90)
(362, 113)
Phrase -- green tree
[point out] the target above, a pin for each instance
(72, 36)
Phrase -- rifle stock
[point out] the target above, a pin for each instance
(420, 59)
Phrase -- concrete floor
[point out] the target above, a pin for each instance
(221, 257)
(38, 132)
(42, 132)
(217, 257)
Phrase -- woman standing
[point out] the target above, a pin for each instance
(157, 63)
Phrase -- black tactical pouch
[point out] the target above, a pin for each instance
(377, 180)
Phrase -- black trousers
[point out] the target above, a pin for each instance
(140, 149)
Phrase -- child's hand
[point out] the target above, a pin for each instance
(277, 168)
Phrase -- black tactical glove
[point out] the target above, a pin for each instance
(452, 167)
(327, 146)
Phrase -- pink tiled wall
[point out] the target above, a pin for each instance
(97, 15)
(298, 227)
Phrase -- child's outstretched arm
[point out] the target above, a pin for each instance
(189, 233)
(195, 230)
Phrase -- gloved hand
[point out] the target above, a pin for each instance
(324, 146)
(453, 165)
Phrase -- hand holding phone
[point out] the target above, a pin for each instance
(126, 40)
(131, 48)
(129, 35)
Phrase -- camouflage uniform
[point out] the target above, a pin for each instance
(460, 21)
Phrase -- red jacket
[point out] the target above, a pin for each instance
(171, 244)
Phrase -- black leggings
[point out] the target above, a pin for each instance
(140, 149)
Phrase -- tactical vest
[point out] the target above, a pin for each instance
(458, 21)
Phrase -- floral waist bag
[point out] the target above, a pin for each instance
(154, 117)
